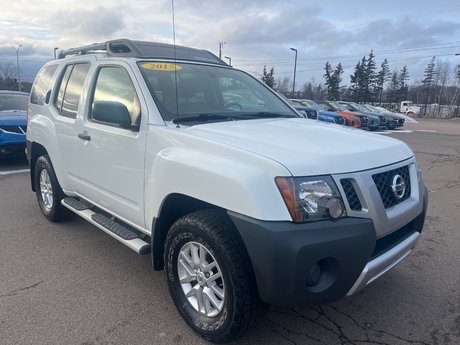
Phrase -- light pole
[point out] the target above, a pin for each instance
(229, 60)
(55, 50)
(295, 68)
(221, 45)
(17, 64)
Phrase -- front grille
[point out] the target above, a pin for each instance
(375, 122)
(14, 129)
(351, 195)
(384, 182)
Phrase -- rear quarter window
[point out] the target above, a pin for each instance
(70, 89)
(42, 84)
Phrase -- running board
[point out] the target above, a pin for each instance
(121, 233)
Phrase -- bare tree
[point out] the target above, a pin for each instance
(442, 75)
(8, 79)
(283, 85)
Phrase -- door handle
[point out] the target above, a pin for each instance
(84, 136)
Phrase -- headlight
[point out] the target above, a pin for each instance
(311, 198)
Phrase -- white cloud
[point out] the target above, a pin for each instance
(255, 32)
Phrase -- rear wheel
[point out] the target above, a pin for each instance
(210, 276)
(48, 191)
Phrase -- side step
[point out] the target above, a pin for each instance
(121, 233)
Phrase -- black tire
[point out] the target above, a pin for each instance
(214, 230)
(56, 212)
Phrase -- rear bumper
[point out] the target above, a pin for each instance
(311, 263)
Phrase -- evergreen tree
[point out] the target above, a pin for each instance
(369, 78)
(393, 94)
(428, 80)
(383, 76)
(333, 78)
(337, 79)
(403, 86)
(356, 81)
(268, 77)
(328, 79)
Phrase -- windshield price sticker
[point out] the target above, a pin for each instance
(161, 66)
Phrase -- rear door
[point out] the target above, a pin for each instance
(65, 107)
(111, 153)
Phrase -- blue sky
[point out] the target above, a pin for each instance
(256, 33)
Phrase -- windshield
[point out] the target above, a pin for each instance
(359, 108)
(372, 109)
(13, 102)
(209, 90)
(311, 104)
(341, 107)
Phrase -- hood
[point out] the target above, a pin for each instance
(13, 117)
(307, 147)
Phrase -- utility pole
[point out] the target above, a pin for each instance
(295, 69)
(229, 60)
(17, 64)
(221, 45)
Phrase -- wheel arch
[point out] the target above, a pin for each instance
(37, 150)
(173, 207)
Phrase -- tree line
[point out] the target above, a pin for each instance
(372, 83)
(9, 81)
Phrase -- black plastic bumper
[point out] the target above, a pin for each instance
(310, 263)
(28, 150)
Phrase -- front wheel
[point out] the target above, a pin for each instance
(48, 191)
(210, 276)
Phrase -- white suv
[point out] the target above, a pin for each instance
(239, 201)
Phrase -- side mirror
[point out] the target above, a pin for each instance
(114, 113)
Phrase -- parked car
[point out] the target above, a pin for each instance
(237, 207)
(351, 118)
(236, 102)
(383, 120)
(326, 116)
(399, 119)
(13, 122)
(306, 111)
(370, 122)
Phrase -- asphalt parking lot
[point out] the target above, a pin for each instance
(70, 283)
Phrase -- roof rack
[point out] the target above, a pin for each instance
(142, 49)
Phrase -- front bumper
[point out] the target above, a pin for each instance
(12, 143)
(311, 263)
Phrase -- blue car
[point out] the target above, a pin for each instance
(13, 122)
(326, 116)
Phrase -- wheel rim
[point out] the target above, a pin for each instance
(46, 189)
(201, 279)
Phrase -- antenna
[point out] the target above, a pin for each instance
(175, 59)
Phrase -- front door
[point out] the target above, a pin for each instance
(111, 151)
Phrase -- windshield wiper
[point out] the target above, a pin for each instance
(266, 115)
(205, 117)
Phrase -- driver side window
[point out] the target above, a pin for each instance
(114, 86)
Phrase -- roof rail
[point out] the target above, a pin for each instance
(141, 49)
